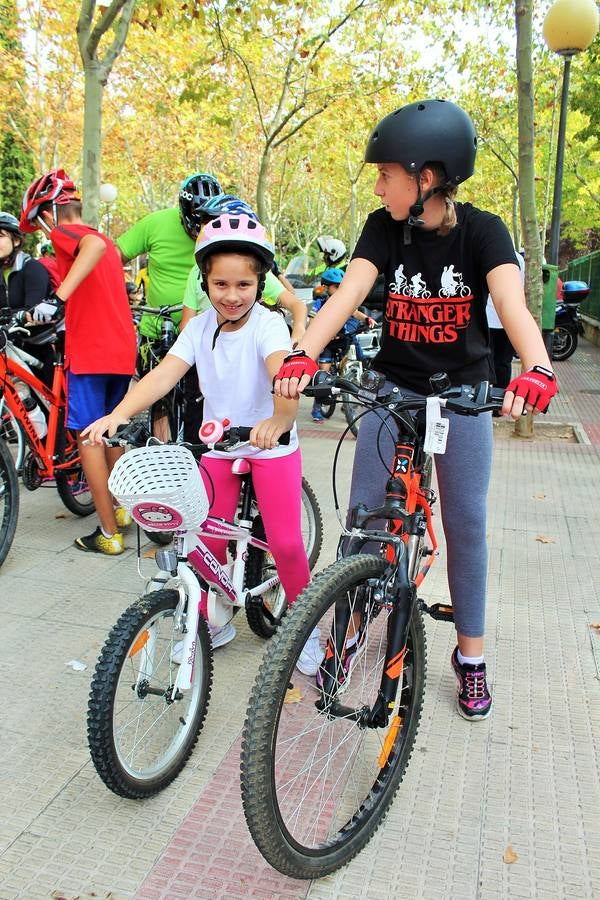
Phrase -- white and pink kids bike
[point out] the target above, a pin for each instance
(151, 687)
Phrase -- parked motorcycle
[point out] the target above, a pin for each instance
(567, 324)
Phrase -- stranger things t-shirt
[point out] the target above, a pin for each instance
(436, 294)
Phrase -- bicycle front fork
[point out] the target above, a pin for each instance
(333, 672)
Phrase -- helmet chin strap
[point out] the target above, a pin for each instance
(416, 211)
(204, 286)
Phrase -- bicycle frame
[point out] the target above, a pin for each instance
(55, 397)
(217, 588)
(407, 511)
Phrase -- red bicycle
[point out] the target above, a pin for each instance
(51, 459)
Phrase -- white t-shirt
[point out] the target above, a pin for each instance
(233, 377)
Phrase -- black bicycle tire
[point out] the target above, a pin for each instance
(10, 507)
(259, 623)
(102, 696)
(327, 407)
(314, 551)
(261, 810)
(569, 347)
(63, 477)
(12, 432)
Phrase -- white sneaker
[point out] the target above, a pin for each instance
(312, 655)
(219, 637)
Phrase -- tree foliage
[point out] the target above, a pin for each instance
(16, 163)
(277, 99)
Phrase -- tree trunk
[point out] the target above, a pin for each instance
(95, 81)
(529, 222)
(261, 188)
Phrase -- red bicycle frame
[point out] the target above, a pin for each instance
(43, 448)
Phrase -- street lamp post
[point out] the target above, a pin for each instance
(570, 26)
(108, 195)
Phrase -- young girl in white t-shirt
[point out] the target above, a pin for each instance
(237, 347)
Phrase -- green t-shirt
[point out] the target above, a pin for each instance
(170, 256)
(196, 298)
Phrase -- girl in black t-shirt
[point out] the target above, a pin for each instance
(440, 259)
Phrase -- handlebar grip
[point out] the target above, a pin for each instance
(242, 433)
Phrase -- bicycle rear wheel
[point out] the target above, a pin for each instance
(139, 738)
(312, 524)
(9, 501)
(71, 484)
(316, 786)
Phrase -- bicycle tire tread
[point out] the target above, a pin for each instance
(101, 697)
(257, 735)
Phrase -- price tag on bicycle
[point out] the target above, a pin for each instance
(436, 428)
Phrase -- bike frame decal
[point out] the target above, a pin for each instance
(221, 528)
(395, 665)
(157, 516)
(205, 564)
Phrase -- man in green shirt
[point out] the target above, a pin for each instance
(168, 237)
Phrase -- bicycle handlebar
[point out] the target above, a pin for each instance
(465, 399)
(158, 310)
(137, 435)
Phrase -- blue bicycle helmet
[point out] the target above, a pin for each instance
(228, 205)
(332, 276)
(193, 194)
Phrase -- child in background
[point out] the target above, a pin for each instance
(237, 346)
(100, 342)
(331, 280)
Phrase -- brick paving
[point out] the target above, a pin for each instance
(526, 778)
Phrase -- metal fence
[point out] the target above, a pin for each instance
(587, 268)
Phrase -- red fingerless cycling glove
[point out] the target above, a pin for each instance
(537, 386)
(296, 365)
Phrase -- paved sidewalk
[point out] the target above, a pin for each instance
(527, 778)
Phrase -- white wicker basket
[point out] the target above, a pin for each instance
(161, 486)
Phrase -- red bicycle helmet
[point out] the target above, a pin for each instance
(55, 187)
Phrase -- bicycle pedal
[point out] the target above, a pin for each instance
(440, 611)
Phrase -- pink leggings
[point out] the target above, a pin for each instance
(278, 485)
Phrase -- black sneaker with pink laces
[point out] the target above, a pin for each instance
(474, 698)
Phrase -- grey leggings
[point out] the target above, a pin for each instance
(463, 474)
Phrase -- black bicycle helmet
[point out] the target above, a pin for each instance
(9, 223)
(427, 131)
(193, 193)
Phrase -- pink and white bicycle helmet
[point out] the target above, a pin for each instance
(234, 234)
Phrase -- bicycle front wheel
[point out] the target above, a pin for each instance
(9, 501)
(140, 738)
(11, 432)
(316, 785)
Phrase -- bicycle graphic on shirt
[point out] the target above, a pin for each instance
(452, 284)
(417, 287)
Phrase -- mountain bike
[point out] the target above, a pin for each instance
(145, 711)
(321, 763)
(51, 459)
